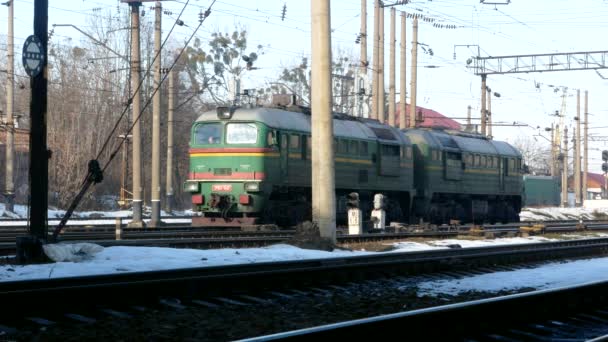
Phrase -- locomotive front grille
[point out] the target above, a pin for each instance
(222, 171)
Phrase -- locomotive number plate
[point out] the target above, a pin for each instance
(221, 187)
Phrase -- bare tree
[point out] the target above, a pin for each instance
(536, 155)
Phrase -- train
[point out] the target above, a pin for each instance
(252, 165)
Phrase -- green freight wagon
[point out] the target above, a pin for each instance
(541, 191)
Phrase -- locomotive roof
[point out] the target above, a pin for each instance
(292, 120)
(465, 143)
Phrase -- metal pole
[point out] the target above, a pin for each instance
(403, 73)
(483, 104)
(324, 208)
(29, 248)
(155, 191)
(381, 95)
(489, 123)
(413, 84)
(577, 151)
(9, 192)
(552, 167)
(136, 109)
(170, 109)
(363, 36)
(565, 171)
(586, 149)
(468, 117)
(374, 110)
(391, 76)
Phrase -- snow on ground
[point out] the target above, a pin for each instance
(138, 259)
(556, 274)
(55, 216)
(556, 213)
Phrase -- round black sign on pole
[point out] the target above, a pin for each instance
(33, 56)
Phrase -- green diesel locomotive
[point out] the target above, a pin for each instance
(253, 165)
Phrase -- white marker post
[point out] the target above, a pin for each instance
(355, 216)
(378, 214)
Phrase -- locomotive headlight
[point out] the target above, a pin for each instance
(252, 187)
(191, 187)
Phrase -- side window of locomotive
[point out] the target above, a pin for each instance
(342, 146)
(208, 134)
(354, 147)
(477, 160)
(363, 150)
(469, 160)
(294, 142)
(390, 150)
(241, 133)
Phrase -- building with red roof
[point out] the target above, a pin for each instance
(427, 118)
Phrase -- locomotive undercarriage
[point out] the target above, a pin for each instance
(478, 209)
(288, 206)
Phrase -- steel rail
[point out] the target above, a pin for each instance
(472, 320)
(60, 293)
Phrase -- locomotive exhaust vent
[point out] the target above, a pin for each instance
(222, 171)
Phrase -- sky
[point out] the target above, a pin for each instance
(520, 27)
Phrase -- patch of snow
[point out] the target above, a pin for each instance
(557, 213)
(551, 275)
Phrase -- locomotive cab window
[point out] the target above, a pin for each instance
(408, 152)
(208, 134)
(294, 142)
(241, 133)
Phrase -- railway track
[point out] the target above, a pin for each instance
(82, 298)
(574, 313)
(195, 237)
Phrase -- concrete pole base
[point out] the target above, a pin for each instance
(29, 250)
(137, 221)
(9, 202)
(169, 205)
(155, 218)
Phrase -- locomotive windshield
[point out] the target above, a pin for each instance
(208, 134)
(241, 133)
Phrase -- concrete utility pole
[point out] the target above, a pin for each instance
(376, 40)
(413, 84)
(586, 149)
(469, 117)
(577, 151)
(324, 194)
(9, 191)
(381, 95)
(391, 77)
(403, 73)
(489, 123)
(170, 109)
(155, 191)
(483, 105)
(363, 34)
(137, 221)
(565, 171)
